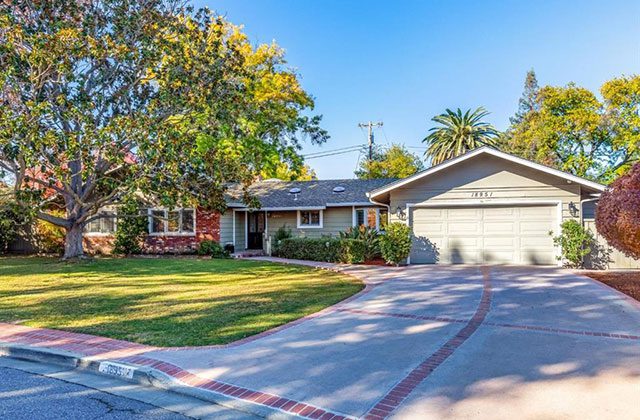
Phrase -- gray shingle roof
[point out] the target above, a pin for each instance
(319, 193)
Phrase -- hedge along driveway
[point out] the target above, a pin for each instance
(165, 302)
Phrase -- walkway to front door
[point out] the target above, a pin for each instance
(256, 222)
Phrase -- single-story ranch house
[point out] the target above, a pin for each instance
(483, 207)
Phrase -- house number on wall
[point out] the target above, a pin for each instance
(482, 194)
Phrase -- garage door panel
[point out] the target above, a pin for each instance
(463, 214)
(536, 227)
(499, 242)
(499, 213)
(499, 257)
(463, 228)
(496, 235)
(499, 228)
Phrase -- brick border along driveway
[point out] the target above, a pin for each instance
(105, 348)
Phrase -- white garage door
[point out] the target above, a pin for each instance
(484, 235)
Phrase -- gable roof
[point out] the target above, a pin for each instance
(490, 151)
(318, 194)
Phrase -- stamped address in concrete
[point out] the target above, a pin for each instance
(116, 369)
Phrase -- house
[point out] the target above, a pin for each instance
(483, 207)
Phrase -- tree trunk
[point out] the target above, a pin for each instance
(73, 242)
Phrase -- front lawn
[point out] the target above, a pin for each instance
(627, 282)
(165, 302)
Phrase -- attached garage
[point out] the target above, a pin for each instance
(486, 207)
(484, 235)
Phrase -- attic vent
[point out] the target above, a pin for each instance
(338, 189)
(294, 191)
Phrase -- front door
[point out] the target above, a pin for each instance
(256, 230)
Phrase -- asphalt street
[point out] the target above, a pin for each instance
(30, 396)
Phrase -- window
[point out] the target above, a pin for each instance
(372, 217)
(105, 225)
(171, 222)
(309, 219)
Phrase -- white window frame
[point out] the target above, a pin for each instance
(366, 209)
(101, 219)
(319, 226)
(165, 222)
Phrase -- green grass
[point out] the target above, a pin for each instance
(165, 302)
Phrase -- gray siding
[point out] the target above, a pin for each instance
(501, 179)
(335, 220)
(226, 227)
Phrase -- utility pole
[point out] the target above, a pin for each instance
(370, 125)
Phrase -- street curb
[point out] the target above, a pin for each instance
(142, 375)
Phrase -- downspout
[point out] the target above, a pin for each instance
(388, 206)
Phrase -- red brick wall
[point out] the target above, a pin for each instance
(207, 228)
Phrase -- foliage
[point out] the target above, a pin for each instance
(352, 251)
(213, 249)
(570, 129)
(46, 237)
(528, 102)
(132, 228)
(618, 213)
(290, 173)
(12, 219)
(282, 233)
(395, 244)
(147, 300)
(575, 243)
(102, 99)
(394, 162)
(313, 249)
(458, 133)
(369, 236)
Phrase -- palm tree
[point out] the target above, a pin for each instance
(458, 133)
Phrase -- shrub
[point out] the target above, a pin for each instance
(212, 248)
(395, 244)
(370, 237)
(575, 243)
(618, 213)
(352, 251)
(12, 218)
(314, 249)
(132, 227)
(47, 238)
(281, 234)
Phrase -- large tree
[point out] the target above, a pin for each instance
(618, 213)
(102, 99)
(571, 129)
(393, 162)
(457, 133)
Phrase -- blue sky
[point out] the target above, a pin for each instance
(402, 62)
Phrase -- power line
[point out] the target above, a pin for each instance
(342, 149)
(359, 149)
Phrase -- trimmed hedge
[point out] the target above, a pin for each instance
(313, 249)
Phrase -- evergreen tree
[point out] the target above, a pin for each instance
(529, 100)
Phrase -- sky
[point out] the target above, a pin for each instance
(402, 62)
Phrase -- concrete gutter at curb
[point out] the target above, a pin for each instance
(141, 375)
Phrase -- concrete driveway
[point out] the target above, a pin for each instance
(447, 342)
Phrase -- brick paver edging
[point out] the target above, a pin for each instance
(392, 400)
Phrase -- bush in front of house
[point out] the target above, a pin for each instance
(395, 244)
(352, 251)
(280, 235)
(369, 236)
(212, 249)
(132, 228)
(313, 249)
(575, 243)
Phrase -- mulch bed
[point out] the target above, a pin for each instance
(627, 282)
